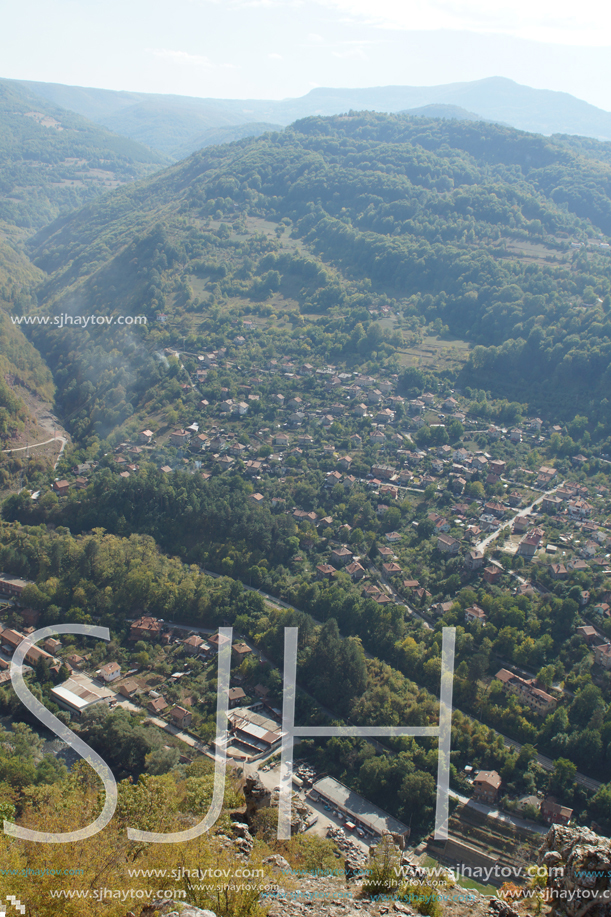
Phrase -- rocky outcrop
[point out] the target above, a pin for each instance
(578, 865)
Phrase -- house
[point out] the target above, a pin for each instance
(474, 559)
(239, 652)
(486, 786)
(520, 524)
(325, 571)
(341, 556)
(261, 691)
(553, 813)
(129, 688)
(527, 691)
(193, 644)
(216, 641)
(495, 509)
(145, 436)
(558, 571)
(528, 546)
(393, 537)
(51, 645)
(440, 608)
(180, 437)
(579, 508)
(181, 717)
(355, 571)
(110, 672)
(236, 697)
(144, 627)
(61, 487)
(492, 574)
(448, 545)
(475, 614)
(391, 569)
(602, 655)
(551, 504)
(589, 634)
(441, 524)
(256, 498)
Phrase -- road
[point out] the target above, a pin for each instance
(523, 512)
(53, 439)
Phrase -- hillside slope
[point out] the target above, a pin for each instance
(53, 161)
(497, 234)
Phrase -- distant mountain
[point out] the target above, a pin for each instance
(217, 135)
(173, 124)
(53, 160)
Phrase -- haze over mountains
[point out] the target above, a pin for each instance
(178, 125)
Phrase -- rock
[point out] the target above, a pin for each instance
(278, 862)
(178, 909)
(579, 871)
(501, 908)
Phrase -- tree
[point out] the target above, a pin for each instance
(562, 779)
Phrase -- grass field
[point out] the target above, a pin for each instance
(435, 354)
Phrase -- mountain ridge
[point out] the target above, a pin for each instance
(156, 116)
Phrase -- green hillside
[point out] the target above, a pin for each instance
(20, 362)
(52, 160)
(493, 232)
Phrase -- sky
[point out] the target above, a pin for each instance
(275, 49)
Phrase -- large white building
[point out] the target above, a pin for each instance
(359, 810)
(80, 693)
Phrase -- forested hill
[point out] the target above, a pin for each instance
(495, 232)
(53, 160)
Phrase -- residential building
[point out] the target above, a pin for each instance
(110, 672)
(527, 691)
(181, 717)
(486, 787)
(341, 556)
(157, 705)
(236, 696)
(555, 814)
(602, 655)
(475, 614)
(12, 585)
(239, 652)
(145, 627)
(448, 545)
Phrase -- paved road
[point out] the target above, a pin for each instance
(523, 512)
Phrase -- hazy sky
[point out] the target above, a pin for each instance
(280, 48)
